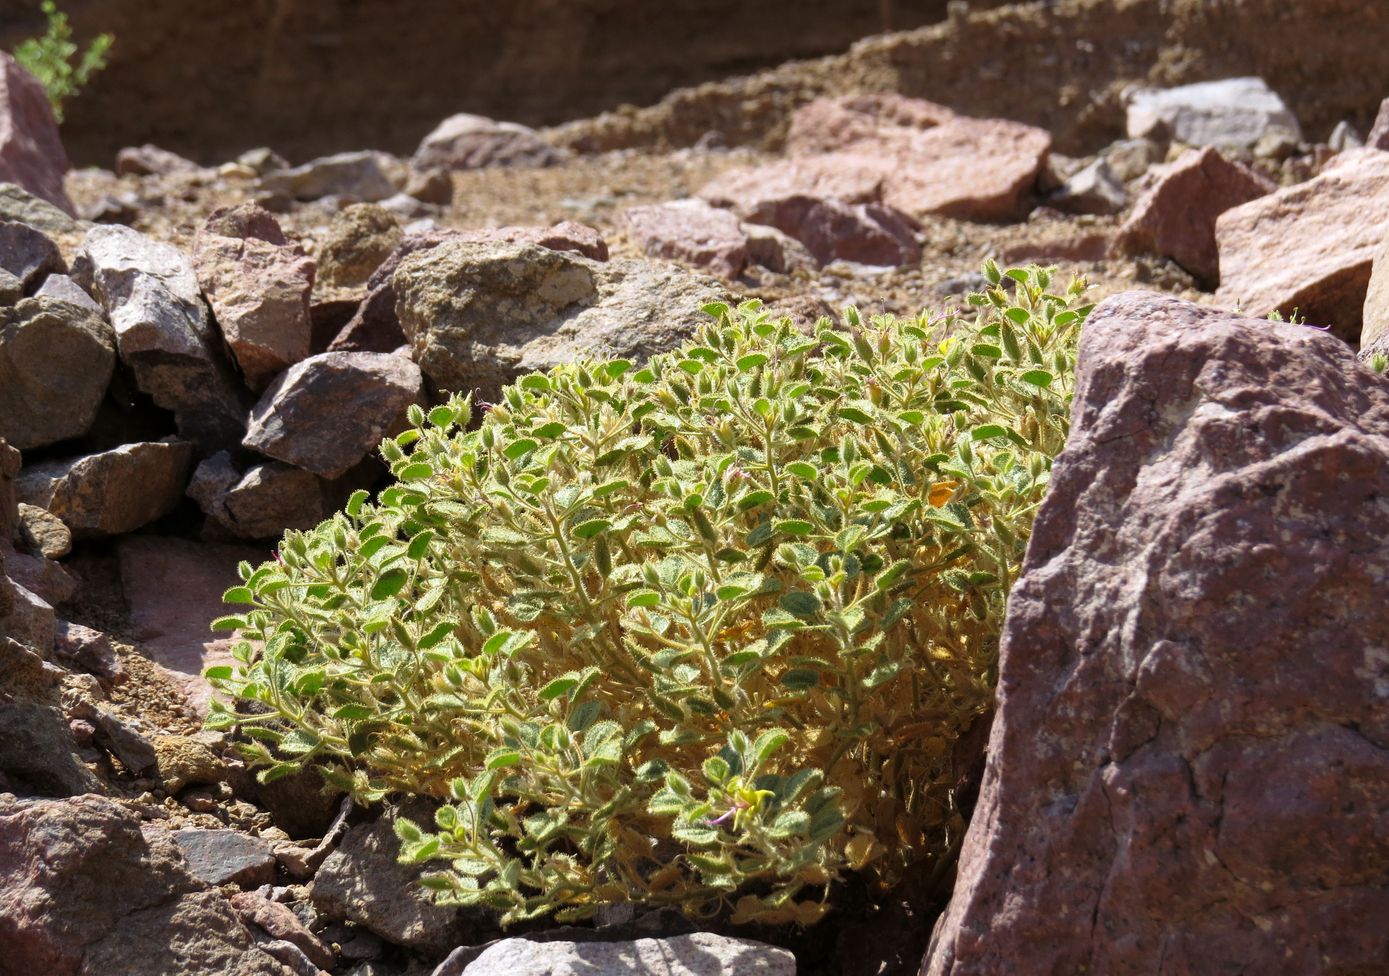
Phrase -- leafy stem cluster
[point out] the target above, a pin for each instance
(700, 631)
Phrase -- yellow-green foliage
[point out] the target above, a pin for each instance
(697, 632)
(50, 58)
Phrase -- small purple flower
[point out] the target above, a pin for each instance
(720, 821)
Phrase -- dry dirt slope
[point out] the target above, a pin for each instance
(1058, 64)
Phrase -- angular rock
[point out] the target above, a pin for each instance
(18, 204)
(27, 254)
(1189, 767)
(260, 504)
(1233, 114)
(60, 287)
(279, 922)
(375, 327)
(479, 315)
(112, 492)
(89, 650)
(696, 954)
(330, 411)
(30, 619)
(43, 532)
(31, 151)
(776, 250)
(84, 891)
(474, 142)
(865, 233)
(123, 740)
(44, 578)
(1130, 159)
(1176, 217)
(56, 361)
(690, 231)
(567, 235)
(1379, 132)
(909, 154)
(1374, 335)
(221, 857)
(10, 461)
(38, 756)
(364, 176)
(150, 160)
(1309, 248)
(163, 330)
(359, 239)
(258, 285)
(1094, 189)
(183, 761)
(432, 186)
(364, 883)
(170, 623)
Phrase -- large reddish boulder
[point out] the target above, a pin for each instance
(31, 152)
(1308, 248)
(917, 157)
(1176, 218)
(1189, 769)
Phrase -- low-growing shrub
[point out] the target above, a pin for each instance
(698, 632)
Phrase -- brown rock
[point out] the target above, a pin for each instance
(227, 857)
(261, 503)
(56, 361)
(38, 757)
(10, 461)
(279, 922)
(163, 330)
(690, 231)
(1176, 218)
(150, 160)
(362, 881)
(1379, 132)
(567, 235)
(1308, 248)
(866, 233)
(170, 622)
(359, 239)
(365, 176)
(28, 254)
(258, 286)
(430, 186)
(184, 761)
(1374, 335)
(909, 154)
(46, 579)
(776, 250)
(330, 411)
(473, 142)
(90, 650)
(479, 315)
(29, 617)
(1189, 768)
(83, 891)
(44, 533)
(31, 151)
(112, 492)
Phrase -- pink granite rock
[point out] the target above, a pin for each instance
(258, 286)
(689, 231)
(918, 157)
(31, 151)
(1308, 248)
(1189, 769)
(1176, 218)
